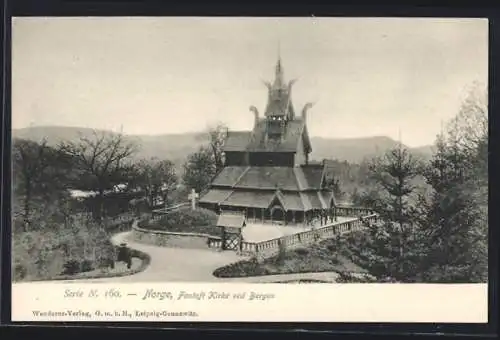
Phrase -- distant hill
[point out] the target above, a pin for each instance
(354, 150)
(177, 146)
(174, 147)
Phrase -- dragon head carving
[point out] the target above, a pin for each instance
(255, 113)
(306, 108)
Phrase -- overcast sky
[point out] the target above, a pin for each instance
(170, 75)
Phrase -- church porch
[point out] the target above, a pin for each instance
(277, 215)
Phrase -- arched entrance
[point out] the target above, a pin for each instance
(277, 214)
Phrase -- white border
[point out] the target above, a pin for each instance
(437, 303)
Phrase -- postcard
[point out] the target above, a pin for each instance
(301, 169)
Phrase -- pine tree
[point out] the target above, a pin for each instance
(390, 244)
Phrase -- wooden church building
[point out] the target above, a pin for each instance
(267, 173)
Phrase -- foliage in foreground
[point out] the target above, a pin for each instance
(442, 236)
(324, 256)
(43, 254)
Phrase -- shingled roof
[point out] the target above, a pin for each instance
(280, 105)
(299, 201)
(237, 141)
(289, 142)
(232, 219)
(306, 177)
(256, 141)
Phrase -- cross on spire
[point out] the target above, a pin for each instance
(279, 77)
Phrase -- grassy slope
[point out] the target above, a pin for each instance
(321, 257)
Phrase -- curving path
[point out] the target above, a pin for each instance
(190, 265)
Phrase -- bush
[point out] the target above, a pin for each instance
(302, 251)
(186, 220)
(71, 267)
(186, 216)
(349, 278)
(334, 260)
(44, 254)
(242, 269)
(19, 272)
(86, 266)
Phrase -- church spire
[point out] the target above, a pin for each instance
(279, 101)
(279, 80)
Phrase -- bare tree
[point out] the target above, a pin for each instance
(469, 128)
(103, 162)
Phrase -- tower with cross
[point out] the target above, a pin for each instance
(192, 197)
(275, 152)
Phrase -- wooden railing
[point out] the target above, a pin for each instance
(351, 211)
(158, 213)
(271, 247)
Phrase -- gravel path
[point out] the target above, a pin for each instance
(191, 265)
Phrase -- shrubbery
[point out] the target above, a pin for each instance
(302, 260)
(186, 220)
(44, 254)
(242, 269)
(350, 278)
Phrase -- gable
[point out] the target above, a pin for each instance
(288, 143)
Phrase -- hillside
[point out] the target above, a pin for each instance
(177, 146)
(354, 150)
(174, 147)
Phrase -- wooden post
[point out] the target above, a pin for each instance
(223, 239)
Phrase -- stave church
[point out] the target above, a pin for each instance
(267, 173)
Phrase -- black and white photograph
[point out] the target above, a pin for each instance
(249, 150)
